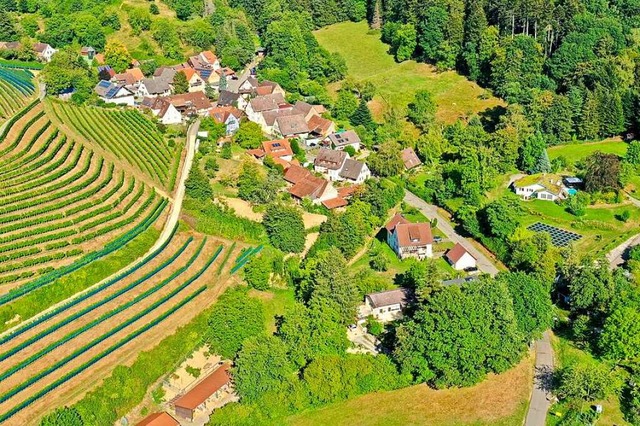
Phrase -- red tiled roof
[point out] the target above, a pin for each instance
(295, 174)
(395, 220)
(456, 253)
(188, 72)
(158, 419)
(203, 390)
(319, 125)
(348, 191)
(413, 234)
(196, 100)
(334, 203)
(277, 148)
(221, 114)
(209, 56)
(256, 152)
(310, 186)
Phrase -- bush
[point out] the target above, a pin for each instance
(587, 382)
(257, 272)
(153, 9)
(285, 228)
(624, 216)
(374, 327)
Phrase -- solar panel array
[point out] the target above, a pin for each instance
(559, 237)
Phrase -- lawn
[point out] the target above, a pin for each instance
(499, 400)
(578, 151)
(276, 302)
(599, 227)
(368, 59)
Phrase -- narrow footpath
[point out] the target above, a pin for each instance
(172, 220)
(431, 212)
(542, 382)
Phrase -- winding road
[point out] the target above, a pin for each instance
(172, 220)
(431, 212)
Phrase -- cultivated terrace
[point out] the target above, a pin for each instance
(269, 212)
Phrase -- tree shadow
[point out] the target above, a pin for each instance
(490, 117)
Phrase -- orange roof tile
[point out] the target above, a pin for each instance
(334, 203)
(203, 390)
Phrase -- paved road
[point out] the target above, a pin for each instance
(431, 212)
(234, 85)
(172, 220)
(542, 381)
(616, 257)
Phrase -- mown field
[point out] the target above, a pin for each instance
(579, 151)
(500, 400)
(368, 59)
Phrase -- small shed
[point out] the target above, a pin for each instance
(460, 259)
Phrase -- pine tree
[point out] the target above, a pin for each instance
(362, 116)
(543, 164)
(223, 82)
(180, 83)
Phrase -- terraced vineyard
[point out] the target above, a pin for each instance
(61, 205)
(16, 89)
(130, 136)
(54, 355)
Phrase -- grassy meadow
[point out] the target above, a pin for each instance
(499, 400)
(580, 151)
(368, 59)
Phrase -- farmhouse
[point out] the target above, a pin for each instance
(191, 103)
(542, 187)
(460, 259)
(340, 140)
(114, 93)
(319, 128)
(211, 387)
(163, 110)
(305, 185)
(130, 77)
(278, 150)
(158, 419)
(291, 126)
(410, 159)
(44, 52)
(153, 87)
(409, 239)
(260, 104)
(384, 306)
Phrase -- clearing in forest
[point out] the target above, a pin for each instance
(368, 59)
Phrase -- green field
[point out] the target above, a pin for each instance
(367, 59)
(578, 151)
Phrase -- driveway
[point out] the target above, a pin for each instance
(234, 85)
(430, 211)
(542, 382)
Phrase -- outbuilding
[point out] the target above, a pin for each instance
(460, 259)
(210, 387)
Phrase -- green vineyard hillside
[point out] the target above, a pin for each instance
(128, 135)
(16, 90)
(59, 201)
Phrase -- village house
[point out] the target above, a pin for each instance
(306, 185)
(44, 52)
(229, 116)
(409, 239)
(278, 150)
(105, 72)
(162, 109)
(260, 104)
(542, 187)
(158, 419)
(410, 159)
(460, 259)
(10, 45)
(354, 171)
(87, 53)
(130, 77)
(291, 126)
(153, 87)
(330, 163)
(340, 140)
(319, 129)
(228, 98)
(191, 104)
(210, 388)
(196, 83)
(114, 93)
(384, 306)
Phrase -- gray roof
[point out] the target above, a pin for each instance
(227, 98)
(345, 138)
(270, 116)
(156, 86)
(292, 125)
(351, 169)
(389, 298)
(267, 102)
(330, 159)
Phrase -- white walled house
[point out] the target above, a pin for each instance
(114, 93)
(354, 171)
(384, 306)
(409, 239)
(541, 187)
(330, 163)
(44, 51)
(460, 259)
